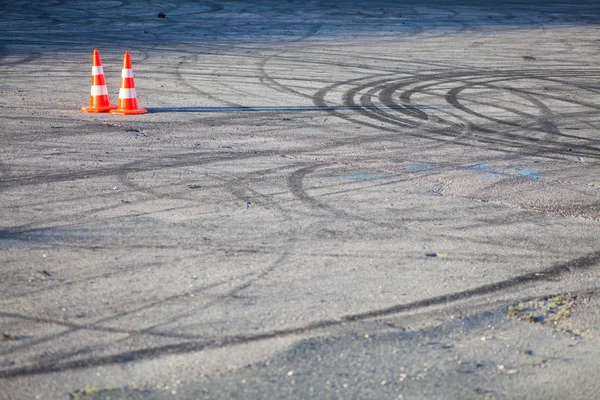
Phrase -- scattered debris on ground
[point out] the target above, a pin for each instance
(571, 313)
(546, 310)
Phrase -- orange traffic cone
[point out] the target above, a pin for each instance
(128, 103)
(99, 101)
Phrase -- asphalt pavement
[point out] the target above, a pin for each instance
(325, 200)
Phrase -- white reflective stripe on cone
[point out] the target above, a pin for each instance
(97, 70)
(127, 93)
(126, 73)
(98, 90)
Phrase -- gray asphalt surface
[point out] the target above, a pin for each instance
(326, 200)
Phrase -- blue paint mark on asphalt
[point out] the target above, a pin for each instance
(527, 173)
(489, 172)
(485, 169)
(476, 167)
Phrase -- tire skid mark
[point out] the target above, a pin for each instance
(181, 79)
(440, 134)
(268, 81)
(144, 165)
(95, 326)
(26, 59)
(241, 190)
(90, 278)
(151, 330)
(261, 78)
(296, 185)
(556, 271)
(372, 111)
(377, 62)
(493, 136)
(248, 280)
(452, 98)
